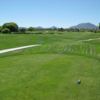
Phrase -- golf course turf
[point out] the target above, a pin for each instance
(51, 71)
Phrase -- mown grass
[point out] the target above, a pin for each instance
(51, 71)
(14, 40)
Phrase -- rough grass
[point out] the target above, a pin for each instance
(50, 72)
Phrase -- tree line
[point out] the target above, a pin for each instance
(12, 27)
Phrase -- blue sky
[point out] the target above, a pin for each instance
(46, 13)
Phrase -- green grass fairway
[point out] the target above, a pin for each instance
(50, 72)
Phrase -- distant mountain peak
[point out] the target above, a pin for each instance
(85, 26)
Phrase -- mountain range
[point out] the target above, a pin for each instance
(85, 26)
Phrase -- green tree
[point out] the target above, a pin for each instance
(13, 27)
(5, 30)
(99, 26)
(22, 29)
(31, 29)
(0, 28)
(61, 29)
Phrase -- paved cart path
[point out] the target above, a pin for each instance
(18, 48)
(91, 39)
